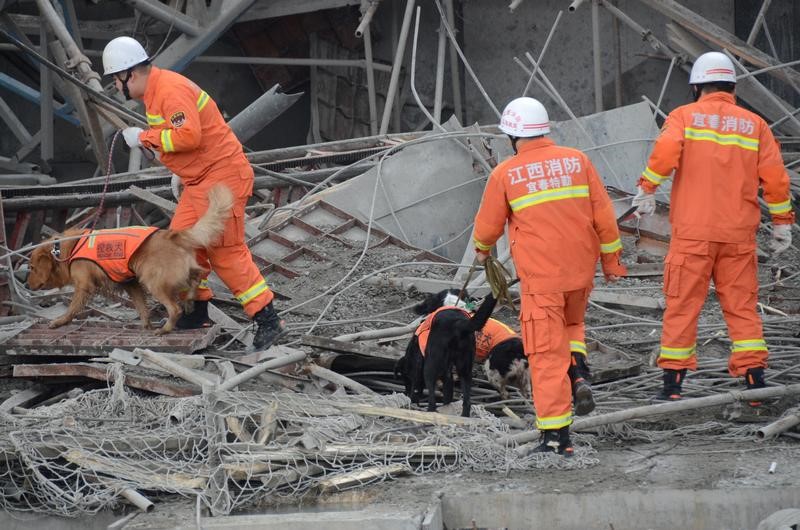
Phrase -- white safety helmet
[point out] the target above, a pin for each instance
(712, 67)
(525, 117)
(121, 54)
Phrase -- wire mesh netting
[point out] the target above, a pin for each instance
(233, 449)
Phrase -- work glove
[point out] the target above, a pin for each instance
(175, 184)
(645, 202)
(781, 238)
(131, 135)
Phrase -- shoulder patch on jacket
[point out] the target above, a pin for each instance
(177, 119)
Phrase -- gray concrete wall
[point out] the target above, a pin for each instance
(667, 509)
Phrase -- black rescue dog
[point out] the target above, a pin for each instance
(450, 345)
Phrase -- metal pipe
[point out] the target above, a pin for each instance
(466, 63)
(759, 20)
(647, 411)
(455, 77)
(373, 102)
(768, 69)
(575, 5)
(618, 63)
(233, 382)
(296, 61)
(596, 59)
(137, 499)
(76, 58)
(261, 112)
(514, 4)
(436, 125)
(541, 54)
(366, 18)
(46, 102)
(437, 92)
(774, 429)
(397, 65)
(167, 15)
(666, 81)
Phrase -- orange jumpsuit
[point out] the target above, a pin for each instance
(720, 153)
(112, 249)
(196, 144)
(560, 221)
(492, 334)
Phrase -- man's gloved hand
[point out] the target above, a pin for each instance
(175, 184)
(781, 238)
(645, 202)
(131, 135)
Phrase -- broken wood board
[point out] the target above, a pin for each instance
(89, 338)
(350, 347)
(361, 477)
(24, 398)
(100, 372)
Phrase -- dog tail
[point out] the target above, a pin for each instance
(209, 227)
(482, 315)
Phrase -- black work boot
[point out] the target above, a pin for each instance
(556, 441)
(581, 390)
(754, 378)
(270, 327)
(673, 379)
(197, 318)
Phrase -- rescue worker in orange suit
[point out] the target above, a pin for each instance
(719, 153)
(189, 133)
(560, 221)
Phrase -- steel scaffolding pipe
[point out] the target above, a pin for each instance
(366, 18)
(289, 61)
(397, 65)
(76, 57)
(166, 14)
(261, 112)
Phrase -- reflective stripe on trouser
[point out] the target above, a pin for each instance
(229, 257)
(688, 268)
(545, 319)
(577, 340)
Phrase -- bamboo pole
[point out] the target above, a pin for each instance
(647, 411)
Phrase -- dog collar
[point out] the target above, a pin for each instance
(56, 252)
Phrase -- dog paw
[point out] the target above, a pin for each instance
(56, 324)
(163, 330)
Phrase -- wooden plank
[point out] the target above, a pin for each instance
(349, 347)
(24, 398)
(362, 476)
(100, 372)
(626, 300)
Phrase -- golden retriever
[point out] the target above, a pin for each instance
(165, 264)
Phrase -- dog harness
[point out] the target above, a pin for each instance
(424, 329)
(492, 334)
(113, 249)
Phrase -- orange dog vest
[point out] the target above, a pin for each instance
(113, 249)
(492, 334)
(424, 329)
